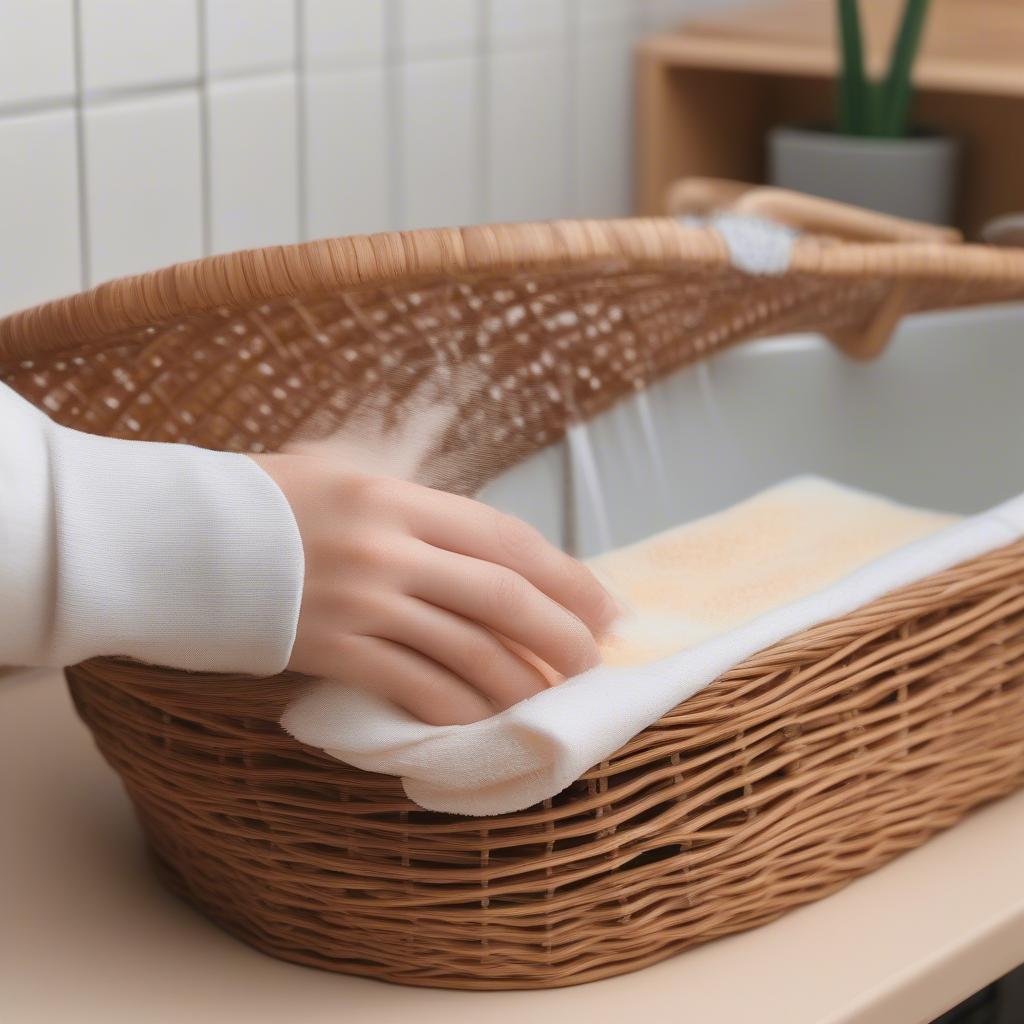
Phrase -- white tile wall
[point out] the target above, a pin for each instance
(249, 36)
(253, 163)
(604, 103)
(339, 31)
(529, 145)
(607, 15)
(347, 158)
(143, 183)
(36, 51)
(192, 126)
(437, 27)
(440, 152)
(39, 245)
(524, 22)
(138, 43)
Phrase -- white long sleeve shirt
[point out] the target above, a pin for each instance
(164, 552)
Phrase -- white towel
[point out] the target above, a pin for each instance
(705, 597)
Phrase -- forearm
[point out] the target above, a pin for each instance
(162, 552)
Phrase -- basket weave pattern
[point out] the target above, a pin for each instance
(802, 768)
(542, 352)
(813, 762)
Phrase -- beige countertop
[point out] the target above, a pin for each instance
(87, 934)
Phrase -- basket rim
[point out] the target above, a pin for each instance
(237, 280)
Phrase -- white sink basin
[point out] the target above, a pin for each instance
(937, 421)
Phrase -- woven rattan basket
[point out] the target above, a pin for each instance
(809, 764)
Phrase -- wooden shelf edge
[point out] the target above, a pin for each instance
(942, 74)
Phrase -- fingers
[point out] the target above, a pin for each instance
(442, 604)
(473, 653)
(504, 601)
(418, 684)
(471, 528)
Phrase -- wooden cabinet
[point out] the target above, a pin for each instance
(707, 92)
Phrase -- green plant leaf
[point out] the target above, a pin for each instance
(852, 91)
(873, 109)
(898, 88)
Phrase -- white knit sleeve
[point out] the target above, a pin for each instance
(164, 552)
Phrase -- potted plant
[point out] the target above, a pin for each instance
(873, 156)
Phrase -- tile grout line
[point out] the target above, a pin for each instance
(205, 164)
(570, 109)
(483, 48)
(40, 105)
(84, 234)
(301, 121)
(128, 93)
(484, 126)
(393, 108)
(638, 28)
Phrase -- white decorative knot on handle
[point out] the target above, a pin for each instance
(756, 245)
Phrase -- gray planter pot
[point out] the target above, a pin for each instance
(912, 177)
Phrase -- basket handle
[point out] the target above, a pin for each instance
(700, 196)
(803, 212)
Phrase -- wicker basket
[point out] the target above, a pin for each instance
(809, 764)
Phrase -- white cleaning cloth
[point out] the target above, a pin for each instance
(704, 597)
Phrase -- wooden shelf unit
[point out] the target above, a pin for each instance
(707, 92)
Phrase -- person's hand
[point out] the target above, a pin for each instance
(442, 604)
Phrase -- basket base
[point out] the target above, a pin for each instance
(173, 881)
